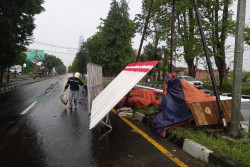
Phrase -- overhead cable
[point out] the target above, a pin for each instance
(57, 46)
(68, 53)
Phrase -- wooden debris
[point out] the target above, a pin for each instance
(207, 113)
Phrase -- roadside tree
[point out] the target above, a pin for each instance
(51, 61)
(219, 25)
(60, 69)
(188, 35)
(79, 63)
(186, 29)
(158, 29)
(70, 68)
(247, 35)
(111, 47)
(16, 25)
(151, 53)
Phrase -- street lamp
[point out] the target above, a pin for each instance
(24, 66)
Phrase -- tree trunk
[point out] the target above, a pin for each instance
(155, 71)
(144, 30)
(191, 68)
(187, 36)
(222, 66)
(220, 59)
(1, 75)
(156, 42)
(156, 57)
(165, 63)
(163, 75)
(8, 75)
(159, 72)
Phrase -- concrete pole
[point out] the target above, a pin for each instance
(237, 74)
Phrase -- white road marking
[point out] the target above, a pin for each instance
(28, 108)
(229, 98)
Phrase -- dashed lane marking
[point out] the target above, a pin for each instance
(152, 141)
(28, 108)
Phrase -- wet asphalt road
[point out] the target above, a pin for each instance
(245, 111)
(14, 102)
(52, 135)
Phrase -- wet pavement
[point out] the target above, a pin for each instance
(15, 101)
(52, 135)
(245, 111)
(125, 147)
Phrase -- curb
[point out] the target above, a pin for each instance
(191, 147)
(9, 88)
(196, 149)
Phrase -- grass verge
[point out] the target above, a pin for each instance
(228, 87)
(84, 81)
(238, 152)
(146, 110)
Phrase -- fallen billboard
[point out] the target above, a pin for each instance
(117, 89)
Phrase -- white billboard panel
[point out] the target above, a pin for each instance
(117, 89)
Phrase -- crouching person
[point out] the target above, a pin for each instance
(74, 83)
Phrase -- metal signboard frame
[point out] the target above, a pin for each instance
(94, 82)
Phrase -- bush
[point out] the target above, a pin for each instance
(245, 76)
(226, 87)
(245, 90)
(230, 75)
(208, 86)
(156, 82)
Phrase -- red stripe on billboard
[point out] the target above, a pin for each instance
(148, 63)
(137, 69)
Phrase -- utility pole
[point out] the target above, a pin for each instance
(237, 74)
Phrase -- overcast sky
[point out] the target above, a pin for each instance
(63, 22)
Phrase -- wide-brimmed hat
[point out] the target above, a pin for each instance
(77, 75)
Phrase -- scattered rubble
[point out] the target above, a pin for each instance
(125, 112)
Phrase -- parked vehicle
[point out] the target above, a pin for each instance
(15, 69)
(193, 81)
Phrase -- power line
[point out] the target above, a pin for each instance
(57, 52)
(57, 46)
